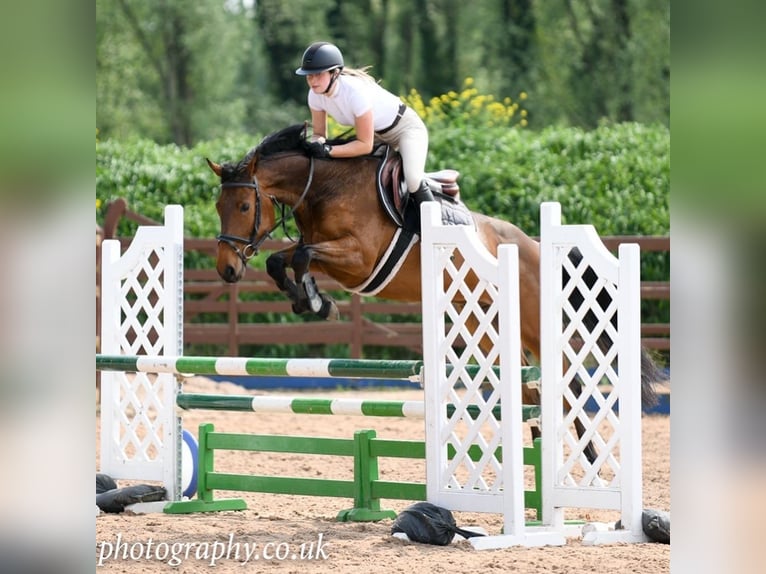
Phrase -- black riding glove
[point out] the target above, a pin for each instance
(319, 150)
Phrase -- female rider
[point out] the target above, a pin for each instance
(353, 98)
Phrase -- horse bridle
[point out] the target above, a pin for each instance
(252, 243)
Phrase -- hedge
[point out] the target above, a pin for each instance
(614, 177)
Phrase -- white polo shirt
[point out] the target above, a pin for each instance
(355, 96)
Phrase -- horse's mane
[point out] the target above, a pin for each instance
(231, 172)
(291, 138)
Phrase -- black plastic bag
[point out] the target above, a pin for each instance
(429, 524)
(656, 525)
(104, 482)
(117, 499)
(111, 498)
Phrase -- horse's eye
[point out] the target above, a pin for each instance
(244, 208)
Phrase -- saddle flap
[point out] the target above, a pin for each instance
(388, 183)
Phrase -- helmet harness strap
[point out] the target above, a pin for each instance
(335, 74)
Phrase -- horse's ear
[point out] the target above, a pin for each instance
(251, 163)
(214, 166)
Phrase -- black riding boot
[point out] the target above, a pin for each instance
(422, 194)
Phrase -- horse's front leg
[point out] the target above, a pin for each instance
(276, 266)
(319, 303)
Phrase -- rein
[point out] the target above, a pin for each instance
(252, 243)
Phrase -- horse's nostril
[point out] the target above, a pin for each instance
(230, 274)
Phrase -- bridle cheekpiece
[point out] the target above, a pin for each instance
(252, 243)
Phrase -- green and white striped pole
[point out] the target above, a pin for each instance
(319, 368)
(238, 366)
(317, 406)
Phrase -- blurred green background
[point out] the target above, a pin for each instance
(530, 102)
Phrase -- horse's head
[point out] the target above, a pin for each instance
(245, 208)
(247, 216)
(246, 204)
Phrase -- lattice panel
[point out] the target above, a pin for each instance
(472, 353)
(587, 342)
(590, 338)
(470, 317)
(142, 332)
(139, 411)
(142, 313)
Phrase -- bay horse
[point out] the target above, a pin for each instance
(344, 233)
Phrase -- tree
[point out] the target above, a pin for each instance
(596, 66)
(168, 69)
(184, 70)
(286, 29)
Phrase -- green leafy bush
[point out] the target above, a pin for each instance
(150, 176)
(615, 177)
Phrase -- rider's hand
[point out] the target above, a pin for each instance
(318, 149)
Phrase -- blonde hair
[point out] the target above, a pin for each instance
(359, 73)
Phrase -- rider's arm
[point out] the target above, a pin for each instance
(365, 136)
(318, 125)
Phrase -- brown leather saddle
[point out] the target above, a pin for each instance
(395, 198)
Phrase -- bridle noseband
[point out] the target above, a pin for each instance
(252, 243)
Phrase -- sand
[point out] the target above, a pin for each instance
(282, 526)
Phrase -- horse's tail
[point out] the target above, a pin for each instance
(651, 373)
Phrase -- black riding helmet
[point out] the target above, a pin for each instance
(320, 57)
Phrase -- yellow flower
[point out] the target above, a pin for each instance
(98, 203)
(467, 107)
(523, 123)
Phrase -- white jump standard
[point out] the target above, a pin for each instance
(474, 431)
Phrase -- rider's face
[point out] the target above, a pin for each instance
(319, 82)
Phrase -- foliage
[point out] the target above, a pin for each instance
(151, 176)
(602, 59)
(469, 108)
(615, 177)
(187, 72)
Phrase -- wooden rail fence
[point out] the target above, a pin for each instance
(365, 321)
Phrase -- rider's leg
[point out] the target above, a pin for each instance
(413, 147)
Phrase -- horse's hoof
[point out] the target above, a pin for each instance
(300, 308)
(329, 310)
